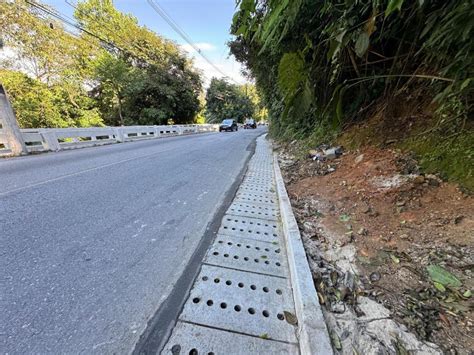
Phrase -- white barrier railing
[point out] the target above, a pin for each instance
(55, 139)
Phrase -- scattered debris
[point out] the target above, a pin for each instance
(403, 282)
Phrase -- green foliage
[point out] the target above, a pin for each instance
(225, 100)
(78, 81)
(322, 64)
(39, 105)
(351, 52)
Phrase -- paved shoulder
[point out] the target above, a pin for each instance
(242, 302)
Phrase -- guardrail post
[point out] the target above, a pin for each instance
(10, 125)
(50, 141)
(156, 131)
(118, 132)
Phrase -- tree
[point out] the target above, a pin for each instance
(130, 76)
(225, 100)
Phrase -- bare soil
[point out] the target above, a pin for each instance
(397, 222)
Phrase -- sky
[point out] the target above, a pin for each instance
(206, 22)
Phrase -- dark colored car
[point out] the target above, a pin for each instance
(250, 123)
(228, 125)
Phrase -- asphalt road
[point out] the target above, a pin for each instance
(93, 240)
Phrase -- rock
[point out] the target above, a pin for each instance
(458, 219)
(404, 236)
(359, 158)
(418, 180)
(390, 141)
(312, 152)
(401, 203)
(433, 182)
(375, 276)
(363, 231)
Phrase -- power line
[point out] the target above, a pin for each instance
(59, 16)
(174, 25)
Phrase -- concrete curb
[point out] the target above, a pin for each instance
(312, 331)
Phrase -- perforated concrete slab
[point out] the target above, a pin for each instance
(253, 211)
(247, 193)
(248, 255)
(242, 302)
(256, 189)
(238, 302)
(261, 200)
(249, 228)
(195, 339)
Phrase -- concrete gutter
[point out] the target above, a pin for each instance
(312, 331)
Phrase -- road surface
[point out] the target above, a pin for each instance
(93, 240)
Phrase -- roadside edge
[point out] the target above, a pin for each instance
(312, 330)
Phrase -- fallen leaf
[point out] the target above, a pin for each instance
(440, 275)
(344, 218)
(290, 318)
(336, 341)
(395, 259)
(439, 287)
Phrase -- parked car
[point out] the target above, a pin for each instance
(228, 125)
(250, 123)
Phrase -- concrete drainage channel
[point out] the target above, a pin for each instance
(242, 301)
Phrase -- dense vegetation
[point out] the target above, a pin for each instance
(114, 72)
(226, 100)
(323, 64)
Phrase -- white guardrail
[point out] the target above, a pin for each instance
(55, 139)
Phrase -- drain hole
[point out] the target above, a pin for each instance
(237, 308)
(256, 260)
(193, 352)
(267, 262)
(246, 259)
(277, 264)
(277, 251)
(228, 282)
(265, 289)
(225, 227)
(196, 300)
(248, 246)
(241, 284)
(280, 316)
(257, 248)
(229, 243)
(215, 253)
(236, 256)
(223, 305)
(266, 314)
(278, 292)
(251, 311)
(209, 303)
(253, 287)
(239, 245)
(226, 255)
(176, 349)
(266, 249)
(216, 281)
(205, 278)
